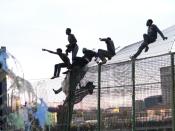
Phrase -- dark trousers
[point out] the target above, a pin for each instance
(147, 40)
(79, 61)
(104, 53)
(74, 52)
(58, 69)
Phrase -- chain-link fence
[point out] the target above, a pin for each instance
(149, 107)
(152, 94)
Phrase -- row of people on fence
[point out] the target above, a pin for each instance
(79, 61)
(149, 38)
(87, 54)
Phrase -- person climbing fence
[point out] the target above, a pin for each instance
(79, 93)
(149, 38)
(109, 53)
(72, 46)
(83, 91)
(66, 62)
(85, 59)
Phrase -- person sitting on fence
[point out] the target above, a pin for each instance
(65, 59)
(72, 46)
(109, 53)
(149, 38)
(84, 60)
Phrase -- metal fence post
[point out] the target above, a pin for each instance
(173, 92)
(99, 91)
(133, 95)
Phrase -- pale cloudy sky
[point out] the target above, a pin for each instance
(27, 26)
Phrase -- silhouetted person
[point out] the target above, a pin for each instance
(64, 58)
(82, 92)
(109, 53)
(149, 38)
(85, 59)
(72, 46)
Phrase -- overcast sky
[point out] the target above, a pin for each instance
(27, 26)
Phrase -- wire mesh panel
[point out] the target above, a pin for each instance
(116, 100)
(153, 93)
(85, 112)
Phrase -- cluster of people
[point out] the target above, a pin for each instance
(101, 54)
(87, 54)
(81, 62)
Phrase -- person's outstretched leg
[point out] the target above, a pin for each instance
(139, 51)
(58, 69)
(143, 45)
(102, 54)
(55, 71)
(147, 41)
(146, 48)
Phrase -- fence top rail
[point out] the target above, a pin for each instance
(135, 60)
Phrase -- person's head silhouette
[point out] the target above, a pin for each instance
(84, 50)
(149, 22)
(108, 38)
(68, 31)
(59, 50)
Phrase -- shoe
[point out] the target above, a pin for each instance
(103, 62)
(56, 92)
(66, 72)
(97, 59)
(54, 77)
(132, 58)
(109, 58)
(146, 49)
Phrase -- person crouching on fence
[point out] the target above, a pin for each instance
(109, 53)
(66, 62)
(149, 38)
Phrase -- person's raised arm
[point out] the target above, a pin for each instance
(49, 51)
(102, 39)
(161, 34)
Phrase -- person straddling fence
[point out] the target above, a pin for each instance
(109, 53)
(149, 38)
(72, 46)
(64, 58)
(85, 59)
